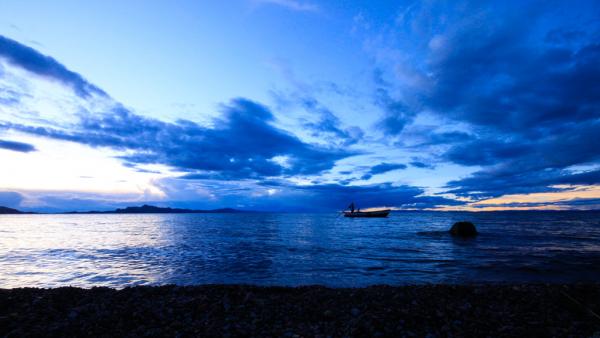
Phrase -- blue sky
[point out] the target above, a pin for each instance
(299, 105)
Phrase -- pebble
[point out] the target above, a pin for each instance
(233, 310)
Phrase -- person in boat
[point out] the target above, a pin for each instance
(351, 207)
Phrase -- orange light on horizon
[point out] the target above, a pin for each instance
(536, 201)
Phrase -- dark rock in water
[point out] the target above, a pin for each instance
(463, 229)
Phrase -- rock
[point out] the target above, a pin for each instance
(463, 229)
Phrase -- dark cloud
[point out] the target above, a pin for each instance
(486, 152)
(331, 197)
(366, 176)
(507, 180)
(523, 166)
(492, 78)
(422, 165)
(524, 84)
(382, 168)
(242, 144)
(385, 167)
(16, 146)
(42, 65)
(334, 196)
(278, 194)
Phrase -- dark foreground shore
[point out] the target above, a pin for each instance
(217, 310)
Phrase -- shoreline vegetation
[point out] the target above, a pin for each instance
(498, 310)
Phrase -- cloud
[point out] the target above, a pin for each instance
(486, 152)
(10, 199)
(294, 5)
(505, 180)
(523, 86)
(382, 168)
(422, 165)
(397, 113)
(528, 165)
(492, 77)
(242, 144)
(265, 195)
(385, 167)
(333, 196)
(427, 138)
(45, 66)
(329, 125)
(278, 194)
(16, 146)
(564, 197)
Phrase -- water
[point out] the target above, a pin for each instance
(296, 249)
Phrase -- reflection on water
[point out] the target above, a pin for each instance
(294, 249)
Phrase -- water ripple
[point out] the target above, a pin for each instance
(294, 249)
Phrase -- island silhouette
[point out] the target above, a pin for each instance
(144, 209)
(5, 211)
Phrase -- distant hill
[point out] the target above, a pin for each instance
(150, 209)
(9, 211)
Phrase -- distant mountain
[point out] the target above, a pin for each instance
(8, 211)
(150, 209)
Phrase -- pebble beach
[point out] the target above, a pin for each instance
(487, 310)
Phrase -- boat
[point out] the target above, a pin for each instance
(374, 213)
(366, 213)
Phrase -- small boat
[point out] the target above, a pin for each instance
(366, 213)
(374, 213)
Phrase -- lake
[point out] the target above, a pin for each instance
(296, 249)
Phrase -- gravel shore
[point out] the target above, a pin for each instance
(311, 311)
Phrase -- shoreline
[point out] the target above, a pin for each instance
(434, 310)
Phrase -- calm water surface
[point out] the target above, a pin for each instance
(295, 249)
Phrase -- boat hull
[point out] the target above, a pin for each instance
(378, 213)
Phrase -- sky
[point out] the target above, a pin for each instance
(300, 105)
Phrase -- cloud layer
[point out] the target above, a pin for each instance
(242, 146)
(521, 85)
(242, 142)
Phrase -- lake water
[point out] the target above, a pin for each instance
(296, 249)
